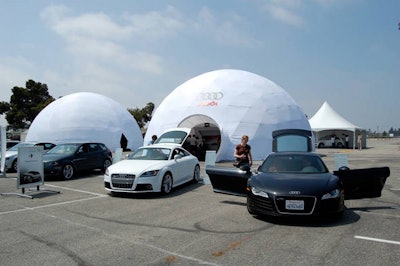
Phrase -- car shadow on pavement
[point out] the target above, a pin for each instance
(176, 191)
(349, 217)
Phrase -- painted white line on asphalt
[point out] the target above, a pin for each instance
(77, 190)
(139, 243)
(395, 189)
(50, 205)
(381, 214)
(378, 240)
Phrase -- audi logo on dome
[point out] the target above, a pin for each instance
(211, 96)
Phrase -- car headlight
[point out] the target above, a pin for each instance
(150, 173)
(259, 192)
(107, 172)
(330, 195)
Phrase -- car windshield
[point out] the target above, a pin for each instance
(15, 147)
(289, 163)
(150, 154)
(64, 149)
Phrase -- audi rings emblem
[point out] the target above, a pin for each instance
(294, 192)
(211, 96)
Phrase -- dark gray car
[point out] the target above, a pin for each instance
(68, 158)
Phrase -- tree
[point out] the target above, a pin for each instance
(142, 116)
(25, 104)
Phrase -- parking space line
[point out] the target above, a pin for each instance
(122, 238)
(77, 190)
(50, 205)
(378, 240)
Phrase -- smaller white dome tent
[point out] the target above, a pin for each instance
(88, 117)
(233, 103)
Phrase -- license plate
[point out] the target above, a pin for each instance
(294, 204)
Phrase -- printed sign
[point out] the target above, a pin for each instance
(30, 167)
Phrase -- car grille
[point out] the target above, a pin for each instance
(122, 180)
(309, 204)
(261, 205)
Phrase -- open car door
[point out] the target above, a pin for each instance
(292, 140)
(228, 180)
(174, 135)
(363, 183)
(233, 181)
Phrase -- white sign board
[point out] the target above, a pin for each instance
(3, 150)
(30, 167)
(341, 159)
(117, 155)
(209, 160)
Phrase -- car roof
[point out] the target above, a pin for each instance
(294, 153)
(79, 143)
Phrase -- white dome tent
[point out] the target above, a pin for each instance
(86, 117)
(222, 105)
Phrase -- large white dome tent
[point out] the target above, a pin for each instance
(220, 106)
(86, 117)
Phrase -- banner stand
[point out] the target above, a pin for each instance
(22, 194)
(30, 171)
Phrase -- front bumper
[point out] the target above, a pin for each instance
(275, 205)
(127, 183)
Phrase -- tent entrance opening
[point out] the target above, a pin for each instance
(205, 134)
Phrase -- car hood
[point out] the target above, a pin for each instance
(307, 184)
(136, 166)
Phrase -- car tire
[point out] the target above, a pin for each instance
(196, 174)
(340, 145)
(106, 164)
(321, 145)
(166, 184)
(67, 172)
(14, 166)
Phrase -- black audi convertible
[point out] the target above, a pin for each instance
(297, 184)
(294, 181)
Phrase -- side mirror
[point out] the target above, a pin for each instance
(245, 168)
(177, 156)
(344, 168)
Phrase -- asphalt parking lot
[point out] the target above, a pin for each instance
(83, 225)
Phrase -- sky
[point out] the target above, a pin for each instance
(345, 52)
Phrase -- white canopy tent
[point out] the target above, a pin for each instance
(86, 117)
(327, 119)
(222, 105)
